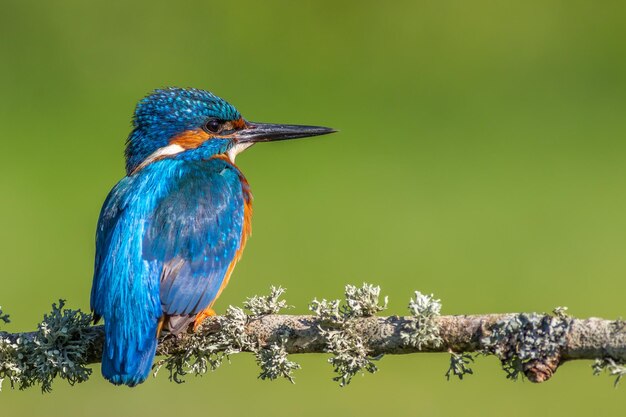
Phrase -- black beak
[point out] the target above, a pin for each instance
(267, 132)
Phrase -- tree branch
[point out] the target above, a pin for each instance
(587, 339)
(532, 344)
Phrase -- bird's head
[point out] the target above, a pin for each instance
(173, 121)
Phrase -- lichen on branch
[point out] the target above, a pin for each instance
(614, 368)
(528, 344)
(266, 304)
(58, 348)
(350, 353)
(423, 329)
(203, 352)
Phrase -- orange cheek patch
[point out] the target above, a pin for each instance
(190, 139)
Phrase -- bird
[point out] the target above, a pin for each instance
(171, 231)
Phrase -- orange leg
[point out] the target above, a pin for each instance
(203, 315)
(160, 326)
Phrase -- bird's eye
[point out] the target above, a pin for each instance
(214, 125)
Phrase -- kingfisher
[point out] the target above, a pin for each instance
(171, 231)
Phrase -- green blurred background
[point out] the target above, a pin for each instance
(481, 158)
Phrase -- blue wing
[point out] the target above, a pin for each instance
(195, 232)
(125, 288)
(165, 239)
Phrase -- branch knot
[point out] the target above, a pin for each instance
(529, 343)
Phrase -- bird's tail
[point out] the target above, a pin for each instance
(128, 352)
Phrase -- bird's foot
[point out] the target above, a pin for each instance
(203, 315)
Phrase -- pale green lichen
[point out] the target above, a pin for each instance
(57, 349)
(459, 365)
(423, 305)
(199, 355)
(233, 334)
(9, 361)
(363, 301)
(206, 352)
(613, 367)
(423, 330)
(326, 311)
(274, 361)
(267, 304)
(202, 353)
(561, 312)
(350, 354)
(526, 337)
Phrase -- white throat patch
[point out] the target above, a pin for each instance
(174, 149)
(237, 149)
